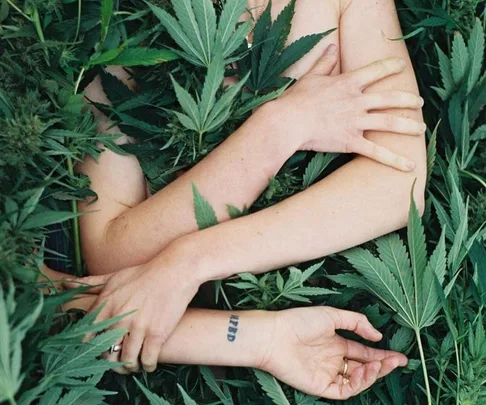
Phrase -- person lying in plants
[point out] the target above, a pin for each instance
(356, 93)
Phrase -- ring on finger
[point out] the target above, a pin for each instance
(115, 348)
(345, 371)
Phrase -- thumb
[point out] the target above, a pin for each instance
(97, 283)
(327, 62)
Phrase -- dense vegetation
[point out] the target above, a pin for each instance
(429, 302)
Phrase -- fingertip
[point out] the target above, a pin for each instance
(331, 49)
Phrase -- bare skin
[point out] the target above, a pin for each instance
(299, 346)
(155, 243)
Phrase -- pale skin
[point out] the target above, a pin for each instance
(153, 241)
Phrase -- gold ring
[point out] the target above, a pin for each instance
(346, 366)
(345, 371)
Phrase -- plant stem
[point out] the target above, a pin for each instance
(78, 26)
(424, 367)
(18, 10)
(76, 235)
(11, 401)
(458, 371)
(78, 81)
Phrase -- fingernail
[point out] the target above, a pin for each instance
(410, 165)
(421, 102)
(331, 49)
(423, 127)
(68, 280)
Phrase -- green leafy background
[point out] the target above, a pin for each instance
(423, 287)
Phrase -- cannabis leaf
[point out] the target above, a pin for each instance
(271, 387)
(316, 166)
(275, 288)
(268, 58)
(153, 399)
(11, 337)
(460, 58)
(198, 35)
(205, 215)
(207, 114)
(475, 47)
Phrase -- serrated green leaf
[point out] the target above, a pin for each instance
(479, 134)
(445, 71)
(143, 57)
(177, 33)
(460, 58)
(187, 20)
(476, 54)
(271, 387)
(275, 40)
(295, 51)
(401, 339)
(237, 39)
(438, 261)
(214, 386)
(224, 103)
(206, 19)
(431, 154)
(309, 272)
(393, 253)
(46, 218)
(187, 399)
(187, 103)
(232, 11)
(152, 398)
(384, 284)
(316, 166)
(259, 100)
(213, 81)
(205, 215)
(106, 13)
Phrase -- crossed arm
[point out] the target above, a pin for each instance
(360, 201)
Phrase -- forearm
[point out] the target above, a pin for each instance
(224, 338)
(235, 173)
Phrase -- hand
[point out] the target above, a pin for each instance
(308, 354)
(159, 295)
(331, 113)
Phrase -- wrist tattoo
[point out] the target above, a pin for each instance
(232, 328)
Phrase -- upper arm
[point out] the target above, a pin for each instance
(366, 29)
(118, 182)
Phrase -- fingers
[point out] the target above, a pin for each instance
(383, 155)
(355, 322)
(361, 353)
(360, 379)
(115, 357)
(150, 352)
(97, 282)
(132, 345)
(391, 123)
(376, 71)
(392, 99)
(327, 62)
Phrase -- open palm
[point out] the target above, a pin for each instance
(308, 354)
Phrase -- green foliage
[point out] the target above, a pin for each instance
(196, 32)
(268, 58)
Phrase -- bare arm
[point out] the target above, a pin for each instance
(359, 202)
(127, 229)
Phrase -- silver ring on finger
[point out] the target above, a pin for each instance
(115, 348)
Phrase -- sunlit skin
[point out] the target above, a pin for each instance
(133, 243)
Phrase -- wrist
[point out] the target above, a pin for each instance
(269, 121)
